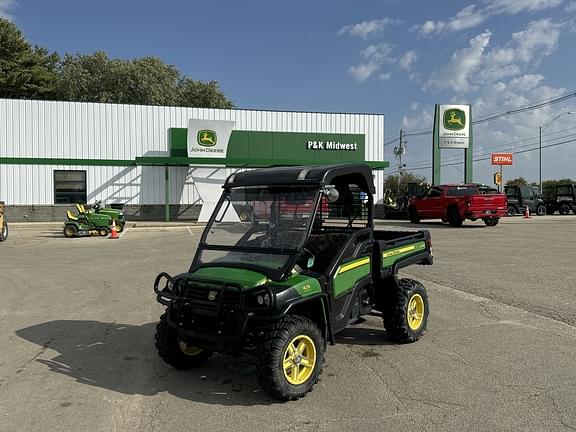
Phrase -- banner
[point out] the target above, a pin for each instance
(208, 138)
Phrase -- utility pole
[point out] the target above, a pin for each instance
(398, 152)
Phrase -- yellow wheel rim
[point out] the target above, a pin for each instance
(188, 349)
(415, 311)
(299, 360)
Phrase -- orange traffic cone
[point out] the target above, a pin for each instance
(527, 213)
(113, 232)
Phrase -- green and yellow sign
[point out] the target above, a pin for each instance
(207, 138)
(454, 119)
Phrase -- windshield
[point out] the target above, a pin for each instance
(462, 190)
(260, 226)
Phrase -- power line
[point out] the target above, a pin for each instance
(518, 110)
(480, 159)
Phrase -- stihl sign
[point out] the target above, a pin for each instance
(501, 158)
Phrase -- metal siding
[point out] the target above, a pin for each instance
(111, 131)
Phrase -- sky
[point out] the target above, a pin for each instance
(389, 57)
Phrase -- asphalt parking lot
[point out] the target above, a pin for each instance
(77, 322)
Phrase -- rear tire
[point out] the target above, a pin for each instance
(491, 221)
(511, 211)
(175, 351)
(290, 357)
(541, 210)
(564, 209)
(454, 217)
(413, 215)
(70, 230)
(405, 311)
(4, 232)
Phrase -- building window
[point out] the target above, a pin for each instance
(69, 187)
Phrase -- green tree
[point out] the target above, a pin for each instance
(200, 94)
(518, 181)
(25, 71)
(391, 182)
(143, 81)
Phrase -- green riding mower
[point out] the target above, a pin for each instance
(3, 224)
(98, 209)
(82, 225)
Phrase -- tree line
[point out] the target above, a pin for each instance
(32, 72)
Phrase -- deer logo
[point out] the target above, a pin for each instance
(207, 138)
(454, 119)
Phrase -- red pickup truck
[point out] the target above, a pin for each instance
(455, 203)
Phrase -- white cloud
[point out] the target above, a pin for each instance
(407, 60)
(470, 17)
(385, 76)
(516, 6)
(375, 55)
(458, 75)
(5, 6)
(465, 19)
(570, 7)
(366, 29)
(539, 39)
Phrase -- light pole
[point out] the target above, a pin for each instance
(542, 127)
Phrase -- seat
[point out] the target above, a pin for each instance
(71, 216)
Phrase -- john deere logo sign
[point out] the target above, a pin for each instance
(207, 138)
(454, 119)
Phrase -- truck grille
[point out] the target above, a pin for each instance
(208, 297)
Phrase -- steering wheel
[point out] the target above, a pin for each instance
(305, 261)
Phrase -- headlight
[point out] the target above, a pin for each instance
(263, 299)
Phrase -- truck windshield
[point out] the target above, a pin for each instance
(565, 190)
(260, 226)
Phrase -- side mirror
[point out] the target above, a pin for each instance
(331, 193)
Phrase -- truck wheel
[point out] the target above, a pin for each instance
(175, 351)
(406, 311)
(290, 357)
(491, 221)
(4, 233)
(453, 217)
(541, 210)
(70, 230)
(511, 211)
(413, 215)
(564, 209)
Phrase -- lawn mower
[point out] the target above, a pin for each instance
(83, 225)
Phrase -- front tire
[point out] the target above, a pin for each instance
(564, 209)
(406, 311)
(175, 351)
(491, 221)
(541, 210)
(413, 215)
(290, 357)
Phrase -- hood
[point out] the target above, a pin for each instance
(247, 279)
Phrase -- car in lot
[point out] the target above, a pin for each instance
(455, 203)
(521, 197)
(564, 200)
(281, 286)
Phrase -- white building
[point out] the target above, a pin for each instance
(151, 158)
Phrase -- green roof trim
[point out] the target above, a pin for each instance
(170, 161)
(61, 161)
(235, 162)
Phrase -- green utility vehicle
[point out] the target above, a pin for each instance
(564, 200)
(280, 284)
(3, 224)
